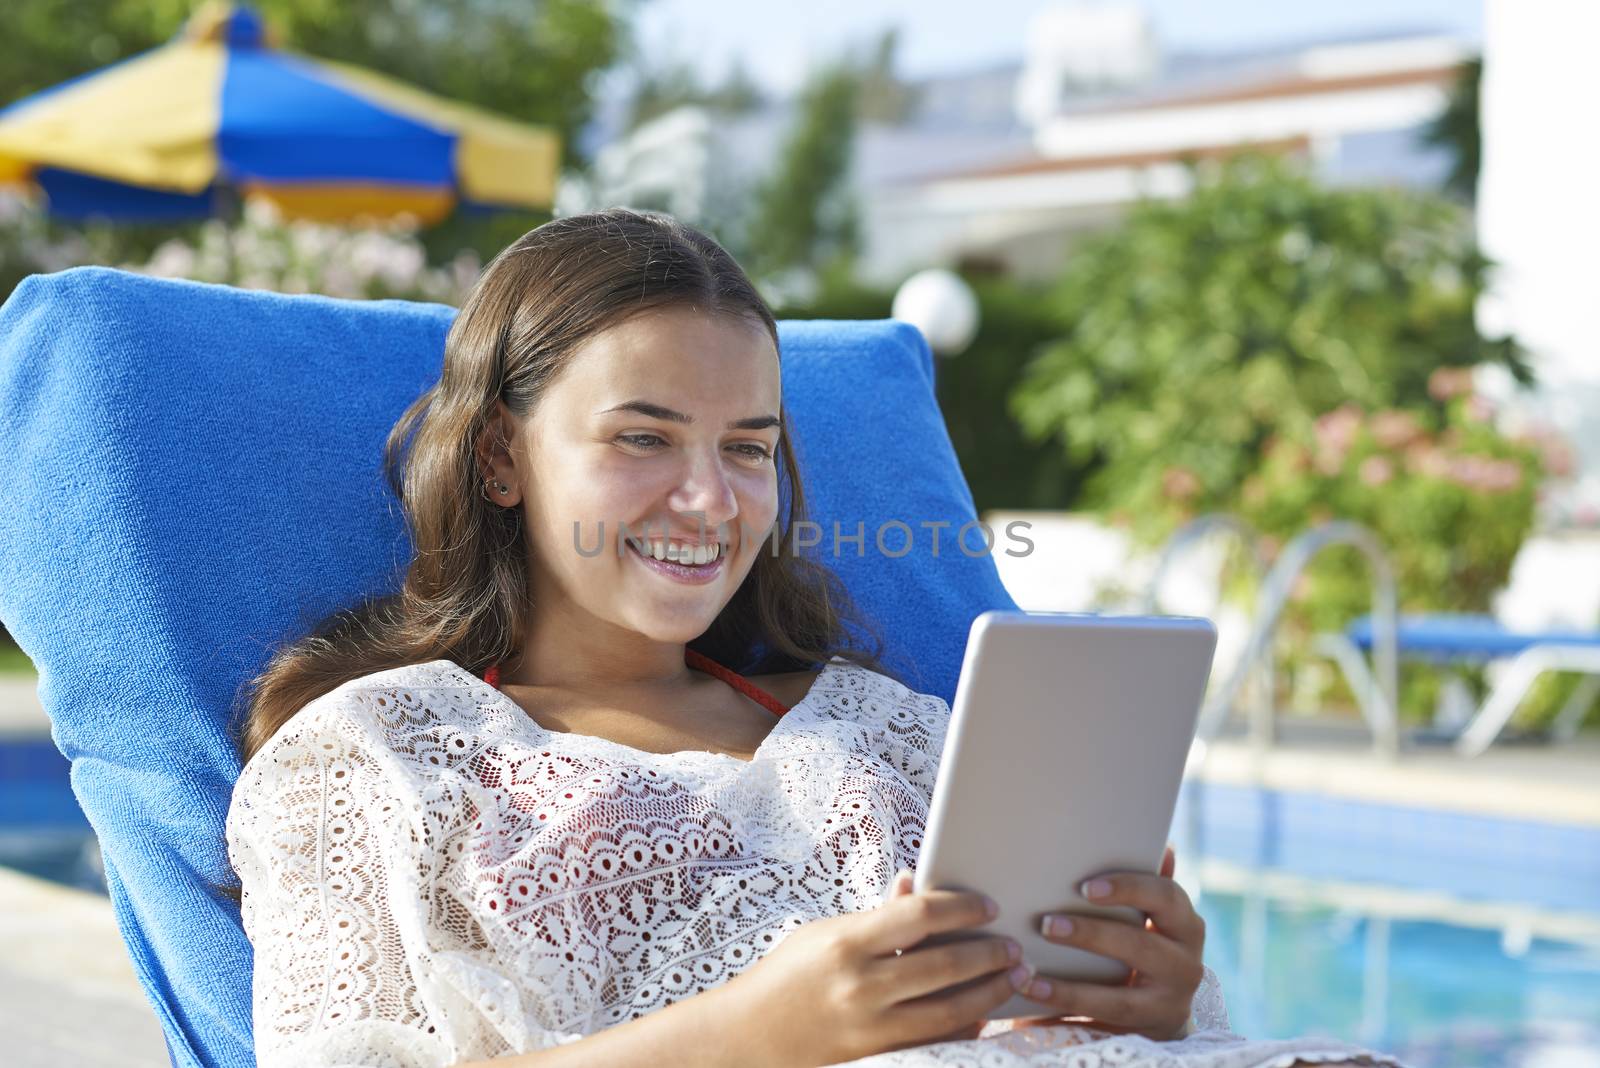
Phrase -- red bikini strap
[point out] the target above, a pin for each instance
(700, 662)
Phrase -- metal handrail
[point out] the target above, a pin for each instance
(1262, 714)
(1381, 708)
(1193, 531)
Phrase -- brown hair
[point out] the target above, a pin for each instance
(465, 593)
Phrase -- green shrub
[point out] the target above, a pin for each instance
(1201, 328)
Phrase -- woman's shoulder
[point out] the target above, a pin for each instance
(371, 706)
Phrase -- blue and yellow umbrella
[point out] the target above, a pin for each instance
(164, 135)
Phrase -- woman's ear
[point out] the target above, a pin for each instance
(497, 465)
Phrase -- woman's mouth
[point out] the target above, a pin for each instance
(678, 571)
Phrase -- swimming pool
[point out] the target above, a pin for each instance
(1456, 942)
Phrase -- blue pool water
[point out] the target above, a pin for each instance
(1441, 994)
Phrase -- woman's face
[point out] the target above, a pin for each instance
(666, 423)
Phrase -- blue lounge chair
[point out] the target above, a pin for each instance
(1476, 639)
(192, 477)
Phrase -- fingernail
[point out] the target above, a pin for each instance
(1020, 976)
(1056, 926)
(991, 906)
(1013, 950)
(1039, 989)
(1096, 888)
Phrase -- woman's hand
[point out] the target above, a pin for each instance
(1164, 956)
(902, 887)
(849, 986)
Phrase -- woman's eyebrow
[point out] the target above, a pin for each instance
(656, 411)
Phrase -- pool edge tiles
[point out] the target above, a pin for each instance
(1467, 855)
(1517, 921)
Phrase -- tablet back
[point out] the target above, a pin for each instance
(1063, 760)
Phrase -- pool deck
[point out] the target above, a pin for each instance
(1544, 783)
(68, 996)
(62, 962)
(20, 710)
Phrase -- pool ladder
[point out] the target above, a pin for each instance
(1379, 701)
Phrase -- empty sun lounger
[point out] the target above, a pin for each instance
(1478, 639)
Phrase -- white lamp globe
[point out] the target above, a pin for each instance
(940, 304)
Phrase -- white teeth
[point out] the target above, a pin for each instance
(685, 554)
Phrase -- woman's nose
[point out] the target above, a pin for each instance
(705, 490)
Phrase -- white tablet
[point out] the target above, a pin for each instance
(1064, 758)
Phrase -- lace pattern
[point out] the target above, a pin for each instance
(431, 877)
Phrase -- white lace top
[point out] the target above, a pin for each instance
(431, 877)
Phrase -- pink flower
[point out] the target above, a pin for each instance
(1376, 470)
(1180, 483)
(1502, 476)
(1426, 460)
(1447, 382)
(1485, 474)
(1329, 462)
(1557, 455)
(1336, 430)
(1467, 471)
(1479, 410)
(1394, 429)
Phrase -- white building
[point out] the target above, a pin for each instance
(1356, 109)
(1008, 164)
(1539, 220)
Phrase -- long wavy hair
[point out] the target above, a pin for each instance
(465, 593)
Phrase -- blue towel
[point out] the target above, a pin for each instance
(193, 477)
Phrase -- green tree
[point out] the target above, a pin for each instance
(804, 213)
(884, 96)
(44, 43)
(1457, 130)
(675, 84)
(1201, 328)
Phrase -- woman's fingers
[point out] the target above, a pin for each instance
(963, 1008)
(1169, 862)
(1166, 903)
(932, 968)
(1148, 952)
(1149, 1011)
(903, 921)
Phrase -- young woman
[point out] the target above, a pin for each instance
(608, 781)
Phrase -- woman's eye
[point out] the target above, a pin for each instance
(650, 442)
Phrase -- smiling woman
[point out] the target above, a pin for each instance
(546, 805)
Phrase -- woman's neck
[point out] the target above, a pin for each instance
(564, 658)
